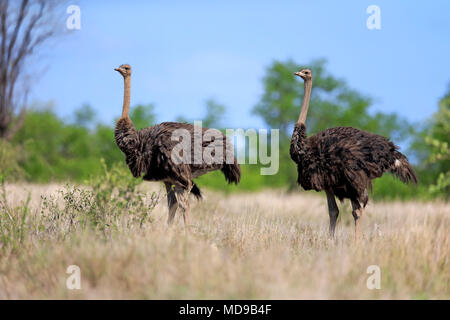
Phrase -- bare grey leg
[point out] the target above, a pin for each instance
(356, 212)
(333, 211)
(182, 195)
(171, 202)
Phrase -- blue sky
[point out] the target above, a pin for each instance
(183, 52)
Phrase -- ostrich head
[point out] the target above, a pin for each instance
(124, 70)
(305, 74)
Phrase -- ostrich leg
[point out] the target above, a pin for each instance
(333, 211)
(356, 212)
(171, 202)
(178, 197)
(183, 202)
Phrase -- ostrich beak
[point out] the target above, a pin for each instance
(117, 69)
(298, 74)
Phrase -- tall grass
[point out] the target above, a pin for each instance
(105, 205)
(13, 227)
(261, 245)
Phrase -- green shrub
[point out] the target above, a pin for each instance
(111, 202)
(9, 162)
(390, 188)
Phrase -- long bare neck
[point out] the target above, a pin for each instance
(305, 103)
(126, 97)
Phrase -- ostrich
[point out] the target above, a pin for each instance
(148, 152)
(343, 161)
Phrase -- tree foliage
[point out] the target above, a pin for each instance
(438, 140)
(56, 150)
(143, 115)
(213, 117)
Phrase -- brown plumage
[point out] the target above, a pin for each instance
(148, 153)
(343, 161)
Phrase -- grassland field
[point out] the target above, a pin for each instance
(263, 245)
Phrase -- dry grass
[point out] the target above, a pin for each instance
(266, 245)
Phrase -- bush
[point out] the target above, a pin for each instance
(9, 162)
(390, 188)
(110, 202)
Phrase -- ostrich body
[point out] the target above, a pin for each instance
(148, 153)
(343, 161)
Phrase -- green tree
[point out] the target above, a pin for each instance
(40, 137)
(438, 140)
(54, 149)
(213, 117)
(214, 114)
(143, 115)
(105, 145)
(332, 104)
(85, 115)
(10, 157)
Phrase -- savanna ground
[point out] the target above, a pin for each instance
(265, 245)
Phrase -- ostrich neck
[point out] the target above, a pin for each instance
(126, 97)
(305, 103)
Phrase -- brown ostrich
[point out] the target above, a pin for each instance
(343, 161)
(148, 153)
